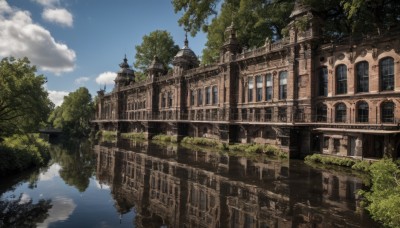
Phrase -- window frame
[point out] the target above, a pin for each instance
(386, 78)
(362, 77)
(283, 85)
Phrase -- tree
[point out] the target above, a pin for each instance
(24, 103)
(75, 113)
(158, 42)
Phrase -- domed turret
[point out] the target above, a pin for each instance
(186, 58)
(125, 75)
(156, 67)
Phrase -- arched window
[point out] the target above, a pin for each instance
(321, 113)
(282, 84)
(341, 79)
(199, 97)
(386, 74)
(208, 95)
(323, 82)
(387, 112)
(340, 113)
(250, 89)
(192, 95)
(259, 86)
(362, 76)
(362, 112)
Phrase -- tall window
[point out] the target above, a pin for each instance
(268, 87)
(251, 86)
(362, 77)
(163, 100)
(169, 99)
(208, 95)
(215, 94)
(268, 114)
(323, 82)
(340, 113)
(362, 112)
(321, 112)
(341, 79)
(192, 97)
(282, 114)
(199, 97)
(387, 112)
(386, 74)
(282, 84)
(259, 85)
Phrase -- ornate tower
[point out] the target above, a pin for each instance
(125, 75)
(156, 68)
(185, 59)
(231, 45)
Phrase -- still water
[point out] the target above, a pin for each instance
(137, 184)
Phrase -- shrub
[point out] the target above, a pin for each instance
(133, 135)
(201, 141)
(20, 152)
(383, 199)
(166, 138)
(327, 160)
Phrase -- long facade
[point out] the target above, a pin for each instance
(298, 93)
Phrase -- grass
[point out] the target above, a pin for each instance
(108, 136)
(339, 161)
(234, 148)
(166, 138)
(133, 135)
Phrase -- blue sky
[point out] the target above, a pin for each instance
(78, 43)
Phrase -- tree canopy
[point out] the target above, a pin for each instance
(159, 43)
(256, 20)
(24, 103)
(75, 113)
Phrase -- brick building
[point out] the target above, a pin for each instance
(298, 93)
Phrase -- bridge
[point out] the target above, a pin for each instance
(51, 132)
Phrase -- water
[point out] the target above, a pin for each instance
(137, 184)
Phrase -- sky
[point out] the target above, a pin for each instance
(77, 43)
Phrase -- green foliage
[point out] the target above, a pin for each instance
(360, 165)
(328, 160)
(133, 135)
(75, 113)
(166, 138)
(20, 152)
(77, 163)
(16, 213)
(24, 102)
(259, 148)
(200, 141)
(158, 43)
(384, 197)
(108, 136)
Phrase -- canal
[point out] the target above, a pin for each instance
(141, 184)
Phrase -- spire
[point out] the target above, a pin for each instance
(186, 43)
(300, 8)
(125, 63)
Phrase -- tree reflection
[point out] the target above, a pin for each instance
(19, 213)
(77, 163)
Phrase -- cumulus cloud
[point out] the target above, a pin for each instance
(81, 80)
(20, 37)
(47, 2)
(106, 78)
(57, 97)
(58, 16)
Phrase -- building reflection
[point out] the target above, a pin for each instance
(179, 187)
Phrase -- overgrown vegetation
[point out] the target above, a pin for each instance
(341, 161)
(108, 136)
(20, 152)
(247, 148)
(383, 199)
(133, 135)
(166, 138)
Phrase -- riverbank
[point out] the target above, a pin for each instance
(21, 152)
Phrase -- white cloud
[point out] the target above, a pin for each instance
(58, 16)
(62, 208)
(20, 37)
(47, 2)
(52, 172)
(81, 80)
(106, 78)
(57, 97)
